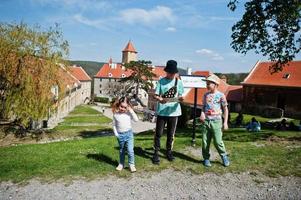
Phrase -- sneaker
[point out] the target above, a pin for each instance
(132, 168)
(119, 167)
(226, 161)
(156, 159)
(169, 156)
(207, 163)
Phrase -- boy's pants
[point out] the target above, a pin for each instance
(171, 129)
(212, 129)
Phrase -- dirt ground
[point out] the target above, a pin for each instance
(168, 184)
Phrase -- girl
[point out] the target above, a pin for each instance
(122, 127)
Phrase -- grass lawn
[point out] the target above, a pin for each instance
(247, 119)
(270, 152)
(81, 120)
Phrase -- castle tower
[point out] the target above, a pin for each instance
(129, 53)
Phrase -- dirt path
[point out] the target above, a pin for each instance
(167, 184)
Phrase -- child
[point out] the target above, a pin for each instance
(122, 116)
(168, 87)
(211, 118)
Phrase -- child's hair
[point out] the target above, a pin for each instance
(116, 104)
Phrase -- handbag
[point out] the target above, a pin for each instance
(171, 93)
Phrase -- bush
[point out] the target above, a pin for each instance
(101, 99)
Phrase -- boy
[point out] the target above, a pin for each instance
(211, 117)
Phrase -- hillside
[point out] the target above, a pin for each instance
(91, 67)
(233, 78)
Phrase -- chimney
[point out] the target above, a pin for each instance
(189, 71)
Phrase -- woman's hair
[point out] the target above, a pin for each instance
(116, 104)
(254, 119)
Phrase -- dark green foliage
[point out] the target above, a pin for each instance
(270, 28)
(233, 78)
(91, 67)
(101, 99)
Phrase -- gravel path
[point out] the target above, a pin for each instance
(167, 184)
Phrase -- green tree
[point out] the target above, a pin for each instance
(141, 77)
(269, 27)
(29, 58)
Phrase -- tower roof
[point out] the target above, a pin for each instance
(129, 47)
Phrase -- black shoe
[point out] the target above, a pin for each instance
(156, 159)
(169, 156)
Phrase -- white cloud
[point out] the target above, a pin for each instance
(209, 53)
(147, 17)
(97, 23)
(171, 29)
(159, 14)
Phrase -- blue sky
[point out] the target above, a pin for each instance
(196, 33)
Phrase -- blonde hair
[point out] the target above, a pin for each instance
(117, 102)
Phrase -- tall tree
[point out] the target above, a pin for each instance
(141, 77)
(29, 58)
(270, 27)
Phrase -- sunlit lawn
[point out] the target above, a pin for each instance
(95, 157)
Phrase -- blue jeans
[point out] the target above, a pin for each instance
(126, 141)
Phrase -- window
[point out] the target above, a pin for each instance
(122, 75)
(100, 91)
(99, 85)
(286, 76)
(110, 74)
(100, 79)
(109, 80)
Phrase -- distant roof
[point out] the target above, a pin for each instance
(115, 70)
(68, 79)
(112, 70)
(290, 76)
(79, 73)
(129, 48)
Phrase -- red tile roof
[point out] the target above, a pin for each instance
(108, 70)
(260, 75)
(232, 92)
(130, 47)
(67, 78)
(116, 71)
(159, 71)
(79, 73)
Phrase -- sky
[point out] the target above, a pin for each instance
(195, 33)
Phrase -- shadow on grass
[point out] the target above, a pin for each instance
(149, 152)
(103, 158)
(239, 135)
(96, 133)
(180, 132)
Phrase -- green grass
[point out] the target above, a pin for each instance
(81, 121)
(247, 118)
(84, 109)
(270, 152)
(96, 157)
(86, 119)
